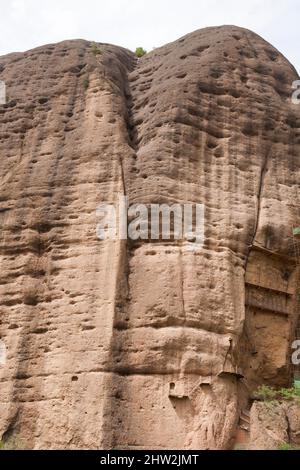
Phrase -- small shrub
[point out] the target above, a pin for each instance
(139, 52)
(86, 83)
(12, 443)
(95, 49)
(290, 393)
(266, 393)
(287, 446)
(270, 394)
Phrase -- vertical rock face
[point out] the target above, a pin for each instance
(142, 344)
(274, 424)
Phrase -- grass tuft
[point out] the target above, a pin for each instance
(95, 49)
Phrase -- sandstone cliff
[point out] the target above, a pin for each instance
(147, 344)
(273, 424)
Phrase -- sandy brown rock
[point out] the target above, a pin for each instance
(120, 344)
(274, 424)
(268, 426)
(293, 418)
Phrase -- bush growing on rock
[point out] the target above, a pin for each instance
(12, 443)
(266, 393)
(139, 52)
(95, 49)
(287, 446)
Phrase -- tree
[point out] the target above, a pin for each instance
(139, 52)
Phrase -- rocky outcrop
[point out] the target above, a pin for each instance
(275, 424)
(128, 344)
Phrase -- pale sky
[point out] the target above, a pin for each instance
(25, 24)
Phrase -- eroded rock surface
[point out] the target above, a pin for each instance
(275, 424)
(134, 345)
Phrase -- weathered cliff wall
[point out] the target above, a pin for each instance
(273, 424)
(120, 344)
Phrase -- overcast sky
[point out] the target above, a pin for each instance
(25, 24)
